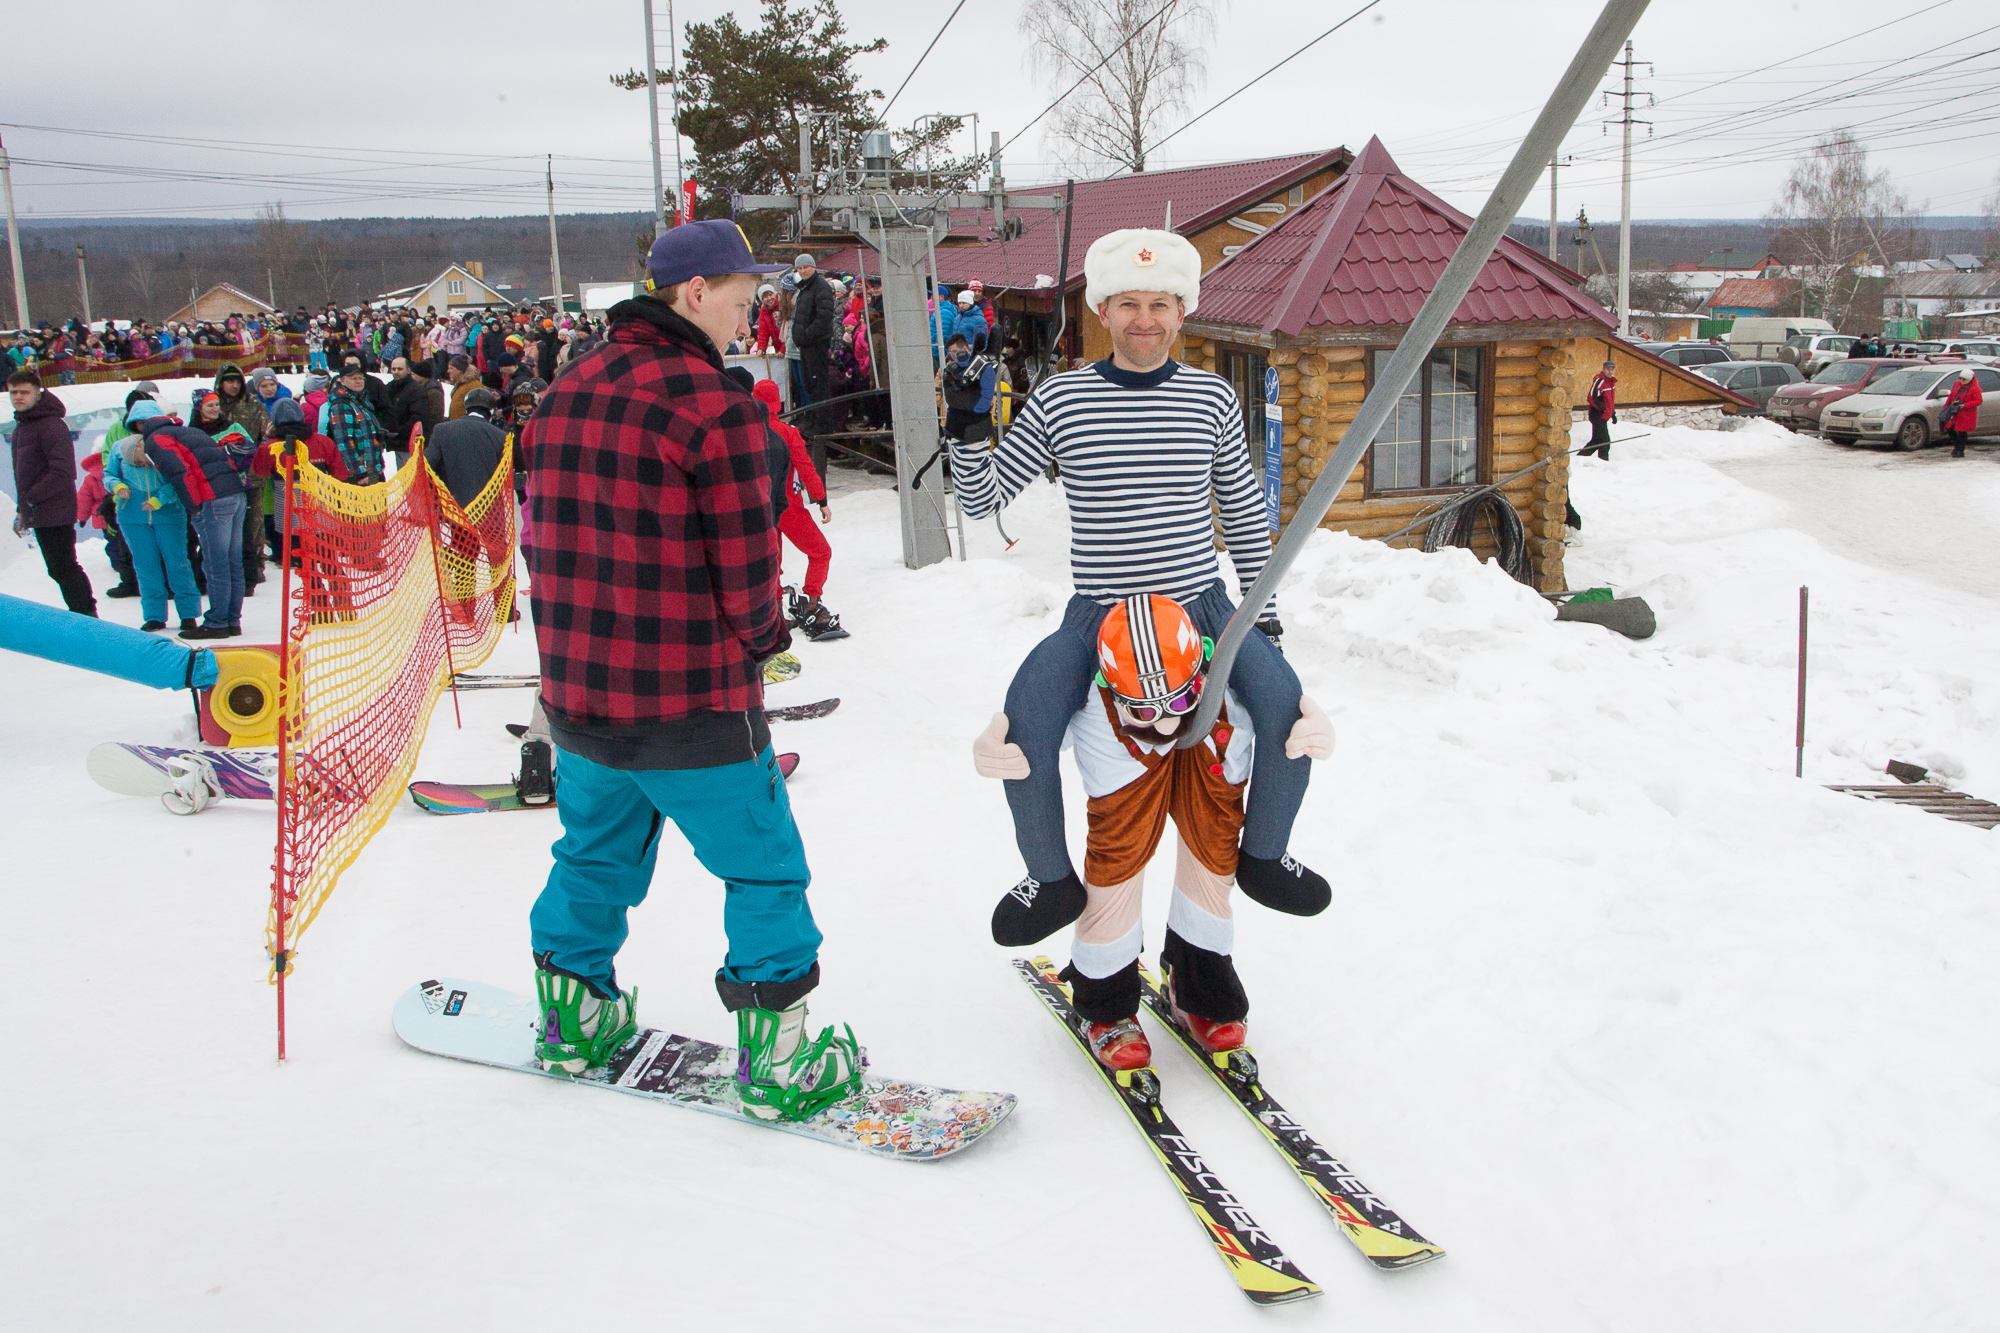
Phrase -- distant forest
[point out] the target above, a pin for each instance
(148, 268)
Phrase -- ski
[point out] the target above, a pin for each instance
(1384, 1238)
(783, 667)
(1260, 1268)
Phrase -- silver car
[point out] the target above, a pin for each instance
(1814, 352)
(1903, 407)
(1755, 380)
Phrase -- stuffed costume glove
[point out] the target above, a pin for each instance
(1312, 734)
(994, 757)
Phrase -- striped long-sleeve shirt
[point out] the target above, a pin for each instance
(1140, 456)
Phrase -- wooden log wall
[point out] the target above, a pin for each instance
(1320, 390)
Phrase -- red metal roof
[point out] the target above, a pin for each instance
(1366, 251)
(1199, 196)
(1752, 293)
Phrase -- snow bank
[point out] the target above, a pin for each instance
(1646, 1032)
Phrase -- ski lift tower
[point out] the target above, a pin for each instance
(859, 206)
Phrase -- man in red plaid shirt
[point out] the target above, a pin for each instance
(653, 487)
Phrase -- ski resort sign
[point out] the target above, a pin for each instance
(1274, 446)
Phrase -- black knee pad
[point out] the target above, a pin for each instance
(1204, 984)
(1104, 999)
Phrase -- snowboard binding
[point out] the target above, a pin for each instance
(195, 785)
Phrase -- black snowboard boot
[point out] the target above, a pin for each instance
(1283, 885)
(818, 623)
(1032, 910)
(795, 607)
(536, 784)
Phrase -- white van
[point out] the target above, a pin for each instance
(1759, 337)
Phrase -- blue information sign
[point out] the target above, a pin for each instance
(1274, 447)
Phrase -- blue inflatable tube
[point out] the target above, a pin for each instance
(97, 645)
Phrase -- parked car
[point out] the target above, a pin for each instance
(1800, 406)
(1903, 406)
(1762, 337)
(1688, 353)
(1985, 351)
(1755, 380)
(1814, 352)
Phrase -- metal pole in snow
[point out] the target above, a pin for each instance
(1799, 767)
(14, 239)
(1613, 26)
(653, 111)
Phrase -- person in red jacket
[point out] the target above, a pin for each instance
(1603, 411)
(803, 608)
(1959, 416)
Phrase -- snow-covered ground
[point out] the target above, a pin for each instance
(1646, 1032)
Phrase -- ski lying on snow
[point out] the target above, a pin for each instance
(783, 667)
(1253, 1258)
(1386, 1239)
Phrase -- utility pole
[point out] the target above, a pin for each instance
(555, 254)
(653, 111)
(1555, 164)
(14, 240)
(83, 282)
(1625, 119)
(674, 78)
(903, 230)
(270, 285)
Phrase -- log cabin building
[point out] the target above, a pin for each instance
(1322, 298)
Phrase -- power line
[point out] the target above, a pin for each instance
(882, 117)
(1280, 65)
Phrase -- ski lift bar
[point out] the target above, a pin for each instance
(1565, 104)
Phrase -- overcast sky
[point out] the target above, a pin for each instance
(440, 110)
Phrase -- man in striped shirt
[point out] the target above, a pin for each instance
(1142, 443)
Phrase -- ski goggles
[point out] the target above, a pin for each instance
(1177, 704)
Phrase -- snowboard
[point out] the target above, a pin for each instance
(790, 713)
(452, 798)
(248, 774)
(783, 667)
(909, 1122)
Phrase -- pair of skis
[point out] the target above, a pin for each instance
(1260, 1268)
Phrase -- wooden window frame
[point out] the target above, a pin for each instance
(1482, 467)
(1254, 442)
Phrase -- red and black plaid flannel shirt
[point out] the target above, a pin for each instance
(651, 537)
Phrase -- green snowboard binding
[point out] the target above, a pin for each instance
(780, 1074)
(580, 1031)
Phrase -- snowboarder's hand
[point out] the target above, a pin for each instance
(994, 757)
(825, 513)
(1312, 734)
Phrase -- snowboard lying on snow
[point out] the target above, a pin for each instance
(783, 667)
(247, 774)
(910, 1122)
(452, 798)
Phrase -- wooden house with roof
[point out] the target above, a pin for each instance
(1219, 208)
(219, 303)
(1324, 295)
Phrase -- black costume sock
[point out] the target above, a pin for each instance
(1283, 885)
(1035, 909)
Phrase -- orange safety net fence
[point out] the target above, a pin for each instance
(388, 589)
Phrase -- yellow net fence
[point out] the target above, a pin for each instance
(388, 590)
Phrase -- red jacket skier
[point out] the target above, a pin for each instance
(803, 608)
(1603, 411)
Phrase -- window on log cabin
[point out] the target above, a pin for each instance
(1431, 439)
(1245, 373)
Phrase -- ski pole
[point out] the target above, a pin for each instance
(1578, 83)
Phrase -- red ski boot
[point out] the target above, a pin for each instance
(1213, 1036)
(1120, 1045)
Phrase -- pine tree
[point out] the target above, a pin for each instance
(745, 93)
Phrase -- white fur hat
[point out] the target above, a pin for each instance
(1140, 259)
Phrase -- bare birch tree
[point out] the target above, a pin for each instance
(278, 243)
(1834, 219)
(1151, 58)
(142, 275)
(325, 269)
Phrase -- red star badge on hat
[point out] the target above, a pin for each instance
(1143, 257)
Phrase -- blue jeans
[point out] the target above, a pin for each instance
(1055, 681)
(738, 819)
(219, 524)
(159, 558)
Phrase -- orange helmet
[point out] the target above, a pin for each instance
(1149, 654)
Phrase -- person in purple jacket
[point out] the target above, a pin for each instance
(45, 486)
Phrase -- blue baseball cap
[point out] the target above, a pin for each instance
(701, 249)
